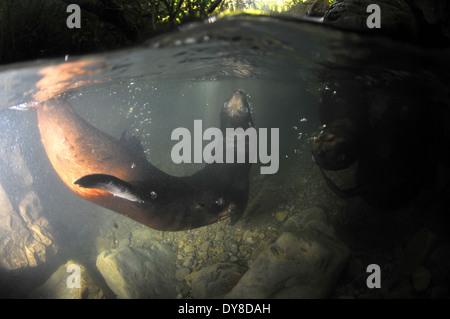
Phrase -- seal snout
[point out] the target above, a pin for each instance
(237, 105)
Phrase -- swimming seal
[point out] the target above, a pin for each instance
(115, 173)
(384, 133)
(345, 129)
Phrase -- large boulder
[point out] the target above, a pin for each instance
(303, 264)
(61, 285)
(215, 280)
(134, 273)
(26, 238)
(397, 18)
(312, 8)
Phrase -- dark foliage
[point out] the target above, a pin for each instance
(31, 29)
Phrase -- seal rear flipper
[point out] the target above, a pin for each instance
(113, 185)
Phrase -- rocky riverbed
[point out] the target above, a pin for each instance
(296, 240)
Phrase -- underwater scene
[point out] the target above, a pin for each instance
(240, 157)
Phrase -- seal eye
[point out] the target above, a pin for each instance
(243, 109)
(226, 105)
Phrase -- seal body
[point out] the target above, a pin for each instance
(345, 130)
(386, 134)
(115, 174)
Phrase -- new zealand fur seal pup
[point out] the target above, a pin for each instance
(345, 128)
(116, 174)
(386, 134)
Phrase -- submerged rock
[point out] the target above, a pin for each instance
(26, 238)
(421, 278)
(63, 285)
(281, 215)
(215, 280)
(416, 251)
(303, 265)
(296, 222)
(25, 235)
(139, 273)
(181, 273)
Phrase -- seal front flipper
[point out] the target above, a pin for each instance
(115, 186)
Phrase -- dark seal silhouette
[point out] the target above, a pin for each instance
(390, 136)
